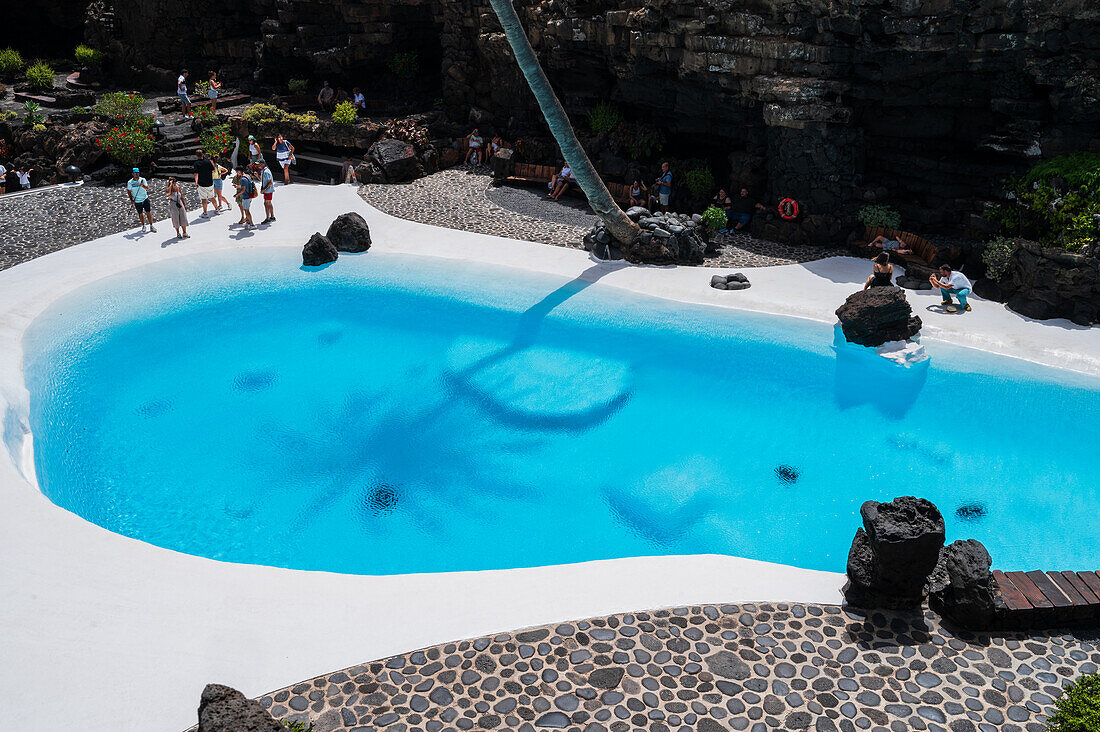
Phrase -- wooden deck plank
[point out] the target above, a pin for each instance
(1090, 579)
(1049, 589)
(1068, 589)
(1014, 599)
(1090, 597)
(1033, 594)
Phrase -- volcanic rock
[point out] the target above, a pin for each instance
(224, 709)
(349, 233)
(877, 315)
(318, 250)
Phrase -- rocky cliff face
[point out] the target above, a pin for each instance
(924, 104)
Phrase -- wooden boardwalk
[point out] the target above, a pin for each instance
(1049, 597)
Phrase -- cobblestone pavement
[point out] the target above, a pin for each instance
(39, 223)
(462, 198)
(707, 669)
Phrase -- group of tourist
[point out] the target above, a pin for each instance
(477, 152)
(213, 88)
(22, 178)
(328, 98)
(210, 175)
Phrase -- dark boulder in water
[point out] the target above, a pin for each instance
(318, 250)
(973, 511)
(382, 499)
(787, 474)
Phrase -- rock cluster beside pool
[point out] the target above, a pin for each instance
(666, 238)
(347, 233)
(735, 281)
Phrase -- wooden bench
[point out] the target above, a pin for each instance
(918, 264)
(529, 173)
(1048, 599)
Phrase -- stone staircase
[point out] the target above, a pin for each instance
(180, 144)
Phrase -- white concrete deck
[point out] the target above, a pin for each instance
(113, 634)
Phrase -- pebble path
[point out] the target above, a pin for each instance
(39, 223)
(755, 667)
(463, 198)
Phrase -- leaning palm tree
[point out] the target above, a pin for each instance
(618, 223)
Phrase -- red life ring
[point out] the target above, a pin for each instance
(788, 209)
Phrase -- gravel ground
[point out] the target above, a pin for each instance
(52, 219)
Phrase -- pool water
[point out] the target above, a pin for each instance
(395, 414)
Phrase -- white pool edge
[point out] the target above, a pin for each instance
(123, 635)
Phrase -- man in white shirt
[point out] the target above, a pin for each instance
(24, 178)
(952, 283)
(3, 179)
(181, 90)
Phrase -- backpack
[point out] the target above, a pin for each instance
(250, 190)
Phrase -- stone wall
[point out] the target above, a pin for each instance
(922, 104)
(1045, 283)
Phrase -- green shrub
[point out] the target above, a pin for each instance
(217, 140)
(6, 115)
(604, 117)
(638, 139)
(32, 114)
(125, 107)
(11, 61)
(88, 56)
(39, 127)
(296, 86)
(204, 114)
(714, 219)
(1078, 709)
(997, 255)
(264, 113)
(344, 113)
(404, 65)
(874, 216)
(297, 726)
(700, 181)
(1056, 202)
(40, 75)
(128, 145)
(306, 118)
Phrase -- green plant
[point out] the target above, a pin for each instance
(39, 127)
(201, 88)
(216, 140)
(204, 114)
(124, 107)
(31, 114)
(700, 181)
(344, 113)
(88, 56)
(639, 140)
(306, 118)
(879, 216)
(405, 65)
(714, 219)
(39, 75)
(264, 113)
(997, 256)
(7, 115)
(297, 726)
(128, 145)
(11, 61)
(604, 117)
(296, 86)
(1078, 708)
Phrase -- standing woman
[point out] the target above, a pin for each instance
(284, 152)
(212, 91)
(255, 154)
(176, 208)
(220, 173)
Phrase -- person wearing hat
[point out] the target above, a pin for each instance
(254, 153)
(137, 188)
(325, 98)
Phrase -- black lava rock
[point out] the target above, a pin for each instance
(318, 250)
(873, 317)
(224, 709)
(894, 553)
(397, 159)
(962, 587)
(349, 233)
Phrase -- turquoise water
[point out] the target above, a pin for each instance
(390, 415)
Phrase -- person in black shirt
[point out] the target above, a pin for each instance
(742, 210)
(204, 181)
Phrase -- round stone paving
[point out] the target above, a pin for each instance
(756, 667)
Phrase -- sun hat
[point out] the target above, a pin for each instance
(250, 137)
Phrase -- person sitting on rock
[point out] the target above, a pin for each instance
(952, 283)
(723, 201)
(890, 245)
(325, 98)
(474, 143)
(561, 182)
(358, 98)
(639, 193)
(742, 209)
(882, 273)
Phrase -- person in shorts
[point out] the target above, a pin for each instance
(181, 91)
(24, 177)
(284, 155)
(212, 91)
(267, 188)
(204, 181)
(248, 190)
(220, 174)
(255, 155)
(137, 188)
(3, 179)
(662, 188)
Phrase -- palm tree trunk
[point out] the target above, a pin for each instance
(618, 224)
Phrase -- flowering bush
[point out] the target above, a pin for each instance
(405, 65)
(121, 107)
(408, 131)
(216, 141)
(203, 114)
(127, 145)
(344, 114)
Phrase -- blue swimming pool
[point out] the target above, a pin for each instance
(393, 414)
